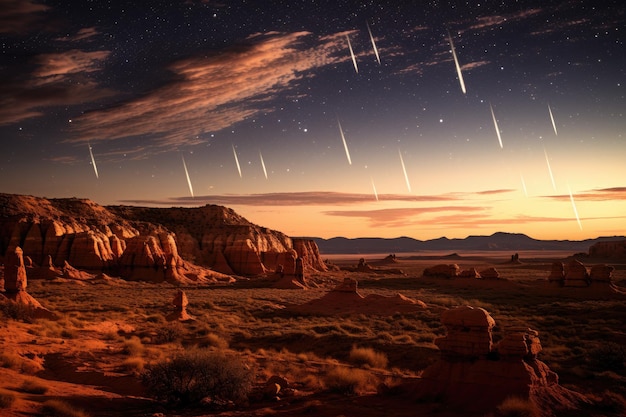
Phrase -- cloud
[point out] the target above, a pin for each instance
(312, 198)
(211, 92)
(496, 20)
(21, 16)
(401, 217)
(82, 34)
(59, 79)
(601, 194)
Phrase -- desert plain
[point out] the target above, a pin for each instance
(91, 359)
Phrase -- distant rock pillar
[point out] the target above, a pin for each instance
(15, 271)
(180, 303)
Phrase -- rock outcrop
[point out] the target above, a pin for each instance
(443, 271)
(173, 244)
(610, 249)
(475, 376)
(15, 283)
(180, 303)
(346, 299)
(576, 274)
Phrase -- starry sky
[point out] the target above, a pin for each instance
(325, 118)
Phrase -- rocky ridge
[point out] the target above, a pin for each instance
(139, 243)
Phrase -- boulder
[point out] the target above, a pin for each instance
(557, 274)
(469, 273)
(442, 271)
(469, 332)
(576, 274)
(601, 274)
(180, 303)
(490, 273)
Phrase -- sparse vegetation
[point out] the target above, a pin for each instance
(196, 375)
(347, 380)
(33, 386)
(517, 407)
(368, 356)
(58, 408)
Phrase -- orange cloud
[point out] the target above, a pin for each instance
(20, 16)
(401, 217)
(210, 93)
(602, 194)
(69, 62)
(82, 34)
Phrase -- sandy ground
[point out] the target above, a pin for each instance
(92, 356)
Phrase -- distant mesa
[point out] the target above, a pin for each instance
(346, 299)
(475, 375)
(615, 249)
(364, 266)
(69, 237)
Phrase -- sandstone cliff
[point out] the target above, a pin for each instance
(153, 244)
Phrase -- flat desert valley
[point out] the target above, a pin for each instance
(356, 340)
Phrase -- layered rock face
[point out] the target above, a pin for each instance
(611, 249)
(146, 243)
(475, 375)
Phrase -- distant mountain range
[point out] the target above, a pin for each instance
(496, 242)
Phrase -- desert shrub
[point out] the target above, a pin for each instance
(170, 333)
(517, 407)
(194, 375)
(58, 408)
(134, 365)
(133, 346)
(344, 380)
(33, 386)
(368, 356)
(214, 340)
(608, 357)
(7, 398)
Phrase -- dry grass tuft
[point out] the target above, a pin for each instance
(345, 380)
(33, 386)
(368, 356)
(58, 408)
(7, 398)
(517, 407)
(133, 346)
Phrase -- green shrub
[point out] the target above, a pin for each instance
(196, 375)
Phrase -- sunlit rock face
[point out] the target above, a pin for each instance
(151, 244)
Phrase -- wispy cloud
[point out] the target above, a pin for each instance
(81, 35)
(402, 217)
(601, 194)
(210, 93)
(21, 16)
(24, 96)
(496, 20)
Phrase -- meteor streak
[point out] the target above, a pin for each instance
(406, 177)
(263, 165)
(237, 161)
(356, 68)
(345, 145)
(373, 42)
(374, 187)
(524, 185)
(93, 162)
(549, 169)
(188, 179)
(571, 197)
(495, 124)
(456, 63)
(552, 118)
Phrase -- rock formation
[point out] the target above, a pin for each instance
(180, 303)
(345, 299)
(443, 271)
(153, 244)
(15, 283)
(576, 274)
(490, 273)
(610, 249)
(557, 274)
(469, 273)
(474, 375)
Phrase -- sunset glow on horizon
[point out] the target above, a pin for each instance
(273, 114)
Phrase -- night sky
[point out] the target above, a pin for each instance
(262, 107)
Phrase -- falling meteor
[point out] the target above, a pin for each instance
(374, 187)
(495, 124)
(552, 118)
(571, 197)
(237, 161)
(188, 179)
(93, 162)
(263, 164)
(523, 185)
(406, 177)
(456, 63)
(356, 68)
(373, 43)
(345, 145)
(549, 169)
